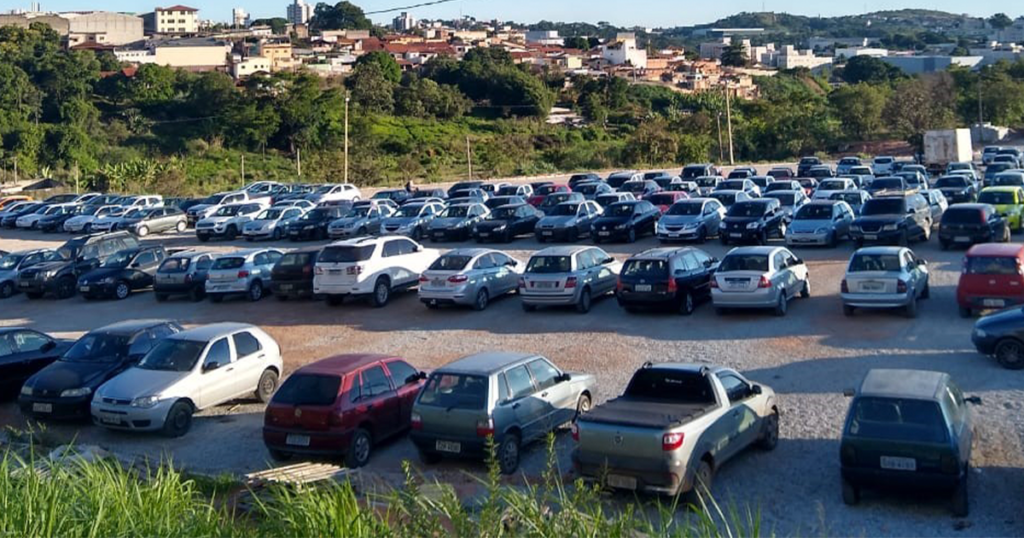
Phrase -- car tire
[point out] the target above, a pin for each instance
(583, 405)
(965, 312)
(255, 292)
(381, 293)
(181, 227)
(122, 290)
(429, 458)
(904, 239)
(702, 236)
(783, 305)
(6, 290)
(508, 454)
(281, 297)
(359, 450)
(87, 229)
(703, 477)
(416, 234)
(249, 239)
(584, 303)
(782, 230)
(1007, 236)
(1009, 354)
(267, 386)
(142, 231)
(911, 308)
(832, 241)
(769, 432)
(851, 493)
(231, 233)
(848, 310)
(927, 292)
(686, 305)
(179, 420)
(805, 292)
(278, 455)
(482, 299)
(66, 287)
(960, 502)
(858, 243)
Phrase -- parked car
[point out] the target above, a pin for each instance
(988, 153)
(370, 267)
(753, 220)
(957, 189)
(122, 273)
(183, 273)
(820, 172)
(341, 406)
(54, 222)
(412, 220)
(495, 202)
(13, 262)
(542, 191)
(1001, 335)
(937, 203)
(992, 278)
(885, 277)
(762, 182)
(1009, 178)
(228, 221)
(910, 428)
(617, 179)
(505, 223)
(8, 201)
(626, 220)
(23, 352)
(782, 185)
(693, 171)
(994, 169)
(805, 165)
(469, 277)
(360, 220)
(821, 222)
(673, 428)
(398, 196)
(640, 188)
(514, 398)
(568, 221)
(968, 224)
(63, 389)
(591, 191)
(9, 216)
(845, 164)
(30, 221)
(855, 199)
(271, 223)
(744, 185)
(708, 184)
(882, 166)
(83, 221)
(605, 200)
(456, 222)
(568, 276)
(790, 202)
(893, 219)
(781, 172)
(664, 200)
(78, 256)
(156, 220)
(693, 219)
(1008, 201)
(675, 278)
(808, 184)
(759, 277)
(728, 198)
(188, 372)
(578, 179)
(313, 223)
(212, 203)
(828, 186)
(332, 193)
(742, 173)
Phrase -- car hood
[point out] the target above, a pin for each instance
(9, 274)
(400, 221)
(559, 221)
(49, 266)
(1007, 208)
(611, 220)
(137, 382)
(676, 220)
(809, 225)
(879, 219)
(101, 273)
(215, 220)
(491, 224)
(63, 375)
(740, 220)
(451, 222)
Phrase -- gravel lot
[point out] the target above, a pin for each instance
(809, 357)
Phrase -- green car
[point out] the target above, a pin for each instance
(907, 429)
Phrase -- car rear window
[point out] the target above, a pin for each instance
(671, 385)
(883, 206)
(308, 389)
(645, 268)
(450, 262)
(874, 262)
(228, 263)
(956, 215)
(951, 181)
(346, 254)
(896, 419)
(295, 259)
(784, 198)
(747, 209)
(997, 198)
(175, 265)
(455, 391)
(744, 262)
(983, 265)
(549, 264)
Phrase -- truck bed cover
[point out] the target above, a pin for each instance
(645, 413)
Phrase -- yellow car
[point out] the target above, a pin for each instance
(1009, 202)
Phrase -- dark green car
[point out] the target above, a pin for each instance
(907, 429)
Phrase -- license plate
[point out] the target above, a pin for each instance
(297, 440)
(286, 287)
(870, 237)
(735, 235)
(482, 234)
(23, 284)
(898, 464)
(673, 235)
(872, 286)
(962, 239)
(448, 446)
(604, 233)
(545, 284)
(994, 303)
(42, 408)
(642, 287)
(83, 289)
(546, 233)
(437, 282)
(621, 482)
(110, 419)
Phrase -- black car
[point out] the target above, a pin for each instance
(577, 179)
(893, 219)
(617, 179)
(63, 390)
(1001, 335)
(313, 225)
(420, 194)
(674, 278)
(593, 189)
(506, 223)
(398, 196)
(495, 202)
(122, 273)
(957, 189)
(461, 186)
(552, 200)
(55, 222)
(626, 220)
(969, 224)
(80, 255)
(24, 352)
(640, 188)
(806, 164)
(883, 184)
(754, 220)
(292, 275)
(12, 218)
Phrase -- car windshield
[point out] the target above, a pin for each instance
(784, 198)
(90, 210)
(409, 211)
(747, 209)
(324, 189)
(544, 190)
(228, 211)
(295, 259)
(213, 200)
(883, 160)
(314, 215)
(382, 195)
(883, 206)
(118, 260)
(503, 213)
(848, 160)
(555, 198)
(874, 262)
(810, 160)
(588, 188)
(98, 347)
(450, 262)
(995, 168)
(887, 183)
(269, 214)
(1008, 180)
(308, 389)
(983, 265)
(455, 391)
(173, 355)
(744, 262)
(645, 268)
(346, 254)
(661, 199)
(456, 212)
(634, 186)
(685, 208)
(693, 171)
(951, 181)
(565, 210)
(997, 198)
(508, 191)
(726, 198)
(10, 261)
(174, 265)
(963, 215)
(671, 385)
(227, 263)
(619, 210)
(357, 213)
(549, 264)
(814, 212)
(897, 419)
(832, 185)
(706, 181)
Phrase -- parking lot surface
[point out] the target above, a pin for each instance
(808, 357)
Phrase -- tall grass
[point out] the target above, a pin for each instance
(72, 498)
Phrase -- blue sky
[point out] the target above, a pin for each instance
(650, 13)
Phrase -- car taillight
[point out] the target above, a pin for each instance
(318, 270)
(764, 282)
(354, 270)
(484, 427)
(243, 274)
(672, 286)
(901, 287)
(575, 430)
(844, 287)
(714, 283)
(618, 284)
(458, 279)
(671, 441)
(416, 422)
(570, 282)
(335, 418)
(306, 269)
(949, 465)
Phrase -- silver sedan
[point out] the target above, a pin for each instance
(469, 276)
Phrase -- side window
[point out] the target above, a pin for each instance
(485, 262)
(374, 383)
(162, 331)
(690, 262)
(779, 261)
(391, 248)
(401, 372)
(519, 382)
(6, 347)
(502, 388)
(543, 373)
(245, 344)
(204, 263)
(220, 353)
(141, 345)
(735, 388)
(273, 256)
(260, 259)
(146, 258)
(584, 260)
(26, 341)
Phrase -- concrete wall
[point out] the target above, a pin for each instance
(59, 24)
(106, 27)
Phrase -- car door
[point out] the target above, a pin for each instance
(379, 402)
(528, 408)
(143, 268)
(558, 398)
(22, 353)
(745, 422)
(250, 361)
(506, 279)
(218, 378)
(402, 263)
(782, 277)
(602, 277)
(693, 277)
(406, 381)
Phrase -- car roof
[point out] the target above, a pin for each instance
(206, 333)
(880, 249)
(1004, 188)
(819, 201)
(244, 253)
(690, 367)
(900, 383)
(470, 252)
(996, 250)
(562, 250)
(342, 364)
(131, 326)
(486, 363)
(661, 252)
(763, 250)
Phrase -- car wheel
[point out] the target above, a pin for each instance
(805, 293)
(429, 458)
(859, 243)
(927, 292)
(583, 305)
(783, 305)
(769, 432)
(631, 236)
(278, 455)
(911, 309)
(361, 231)
(904, 239)
(782, 230)
(965, 312)
(686, 304)
(1010, 354)
(831, 243)
(87, 229)
(6, 290)
(278, 234)
(703, 476)
(179, 420)
(417, 234)
(142, 231)
(381, 292)
(181, 227)
(583, 405)
(851, 494)
(66, 288)
(202, 238)
(1006, 234)
(267, 386)
(122, 290)
(702, 235)
(255, 291)
(508, 454)
(231, 233)
(481, 300)
(762, 239)
(358, 453)
(33, 295)
(848, 310)
(961, 505)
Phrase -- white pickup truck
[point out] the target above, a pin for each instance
(674, 426)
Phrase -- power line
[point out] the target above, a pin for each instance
(404, 8)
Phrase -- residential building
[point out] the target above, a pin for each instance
(100, 27)
(172, 20)
(1012, 34)
(299, 12)
(245, 67)
(915, 65)
(403, 23)
(790, 57)
(623, 51)
(279, 52)
(193, 54)
(544, 37)
(850, 52)
(713, 50)
(239, 18)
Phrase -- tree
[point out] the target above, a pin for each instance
(340, 16)
(858, 108)
(921, 104)
(276, 24)
(653, 143)
(576, 42)
(152, 85)
(389, 67)
(371, 88)
(871, 70)
(735, 55)
(1000, 21)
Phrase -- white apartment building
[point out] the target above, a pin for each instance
(850, 52)
(299, 12)
(196, 54)
(102, 27)
(403, 23)
(173, 20)
(242, 68)
(623, 50)
(239, 18)
(544, 37)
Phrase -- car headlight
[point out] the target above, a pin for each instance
(891, 227)
(753, 225)
(108, 280)
(146, 402)
(500, 228)
(622, 226)
(822, 230)
(26, 390)
(978, 333)
(691, 225)
(310, 227)
(50, 274)
(74, 393)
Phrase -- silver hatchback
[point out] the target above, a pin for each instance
(245, 272)
(885, 277)
(759, 277)
(568, 276)
(469, 276)
(359, 221)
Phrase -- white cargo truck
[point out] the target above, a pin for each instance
(947, 146)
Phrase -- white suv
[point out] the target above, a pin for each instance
(331, 192)
(373, 267)
(228, 221)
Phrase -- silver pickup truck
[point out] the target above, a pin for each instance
(673, 427)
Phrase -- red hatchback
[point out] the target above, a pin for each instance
(664, 200)
(992, 277)
(341, 406)
(540, 192)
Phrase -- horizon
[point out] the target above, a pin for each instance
(651, 14)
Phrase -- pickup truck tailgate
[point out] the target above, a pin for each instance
(601, 442)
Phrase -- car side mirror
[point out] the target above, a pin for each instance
(135, 265)
(563, 378)
(511, 263)
(849, 393)
(975, 400)
(419, 248)
(755, 389)
(607, 260)
(211, 366)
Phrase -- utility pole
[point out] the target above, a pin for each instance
(469, 158)
(243, 170)
(298, 161)
(721, 148)
(346, 137)
(981, 115)
(728, 122)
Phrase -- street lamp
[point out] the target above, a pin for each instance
(347, 99)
